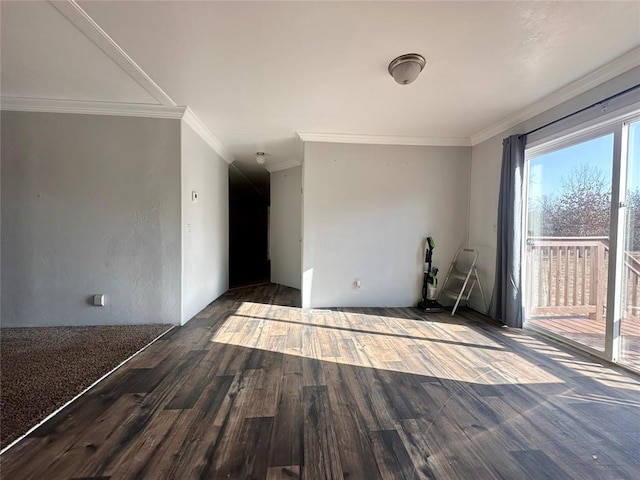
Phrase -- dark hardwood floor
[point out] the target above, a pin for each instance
(253, 388)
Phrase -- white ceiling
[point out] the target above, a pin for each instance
(256, 73)
(45, 56)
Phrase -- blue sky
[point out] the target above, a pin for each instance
(547, 171)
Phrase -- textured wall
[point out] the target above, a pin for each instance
(366, 212)
(286, 228)
(205, 224)
(90, 204)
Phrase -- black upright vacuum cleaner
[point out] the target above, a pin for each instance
(429, 282)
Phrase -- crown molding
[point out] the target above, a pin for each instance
(196, 124)
(622, 64)
(384, 139)
(83, 22)
(276, 167)
(20, 104)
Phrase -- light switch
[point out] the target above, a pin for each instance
(194, 196)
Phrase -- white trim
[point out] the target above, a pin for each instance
(53, 414)
(614, 290)
(384, 139)
(622, 64)
(17, 104)
(582, 132)
(83, 22)
(194, 122)
(276, 167)
(633, 118)
(567, 141)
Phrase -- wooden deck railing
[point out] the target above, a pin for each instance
(632, 283)
(568, 276)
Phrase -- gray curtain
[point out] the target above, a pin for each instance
(506, 302)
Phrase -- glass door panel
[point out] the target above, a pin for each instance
(567, 241)
(630, 321)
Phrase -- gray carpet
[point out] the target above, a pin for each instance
(43, 368)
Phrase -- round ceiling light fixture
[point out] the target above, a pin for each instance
(260, 158)
(406, 68)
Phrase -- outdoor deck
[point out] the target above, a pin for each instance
(567, 291)
(591, 332)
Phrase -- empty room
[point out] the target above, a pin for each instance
(317, 240)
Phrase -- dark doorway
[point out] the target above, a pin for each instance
(248, 226)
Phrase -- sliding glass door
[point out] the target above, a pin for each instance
(581, 272)
(629, 344)
(567, 241)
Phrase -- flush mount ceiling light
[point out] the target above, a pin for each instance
(406, 68)
(260, 158)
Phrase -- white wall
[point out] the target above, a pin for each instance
(366, 212)
(205, 224)
(486, 163)
(90, 204)
(286, 228)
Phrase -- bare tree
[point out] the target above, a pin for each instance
(541, 214)
(633, 220)
(582, 208)
(584, 203)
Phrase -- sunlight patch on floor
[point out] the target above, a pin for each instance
(429, 348)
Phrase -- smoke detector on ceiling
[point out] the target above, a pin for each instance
(260, 158)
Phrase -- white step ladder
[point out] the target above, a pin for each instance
(461, 278)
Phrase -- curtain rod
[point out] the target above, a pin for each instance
(635, 87)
